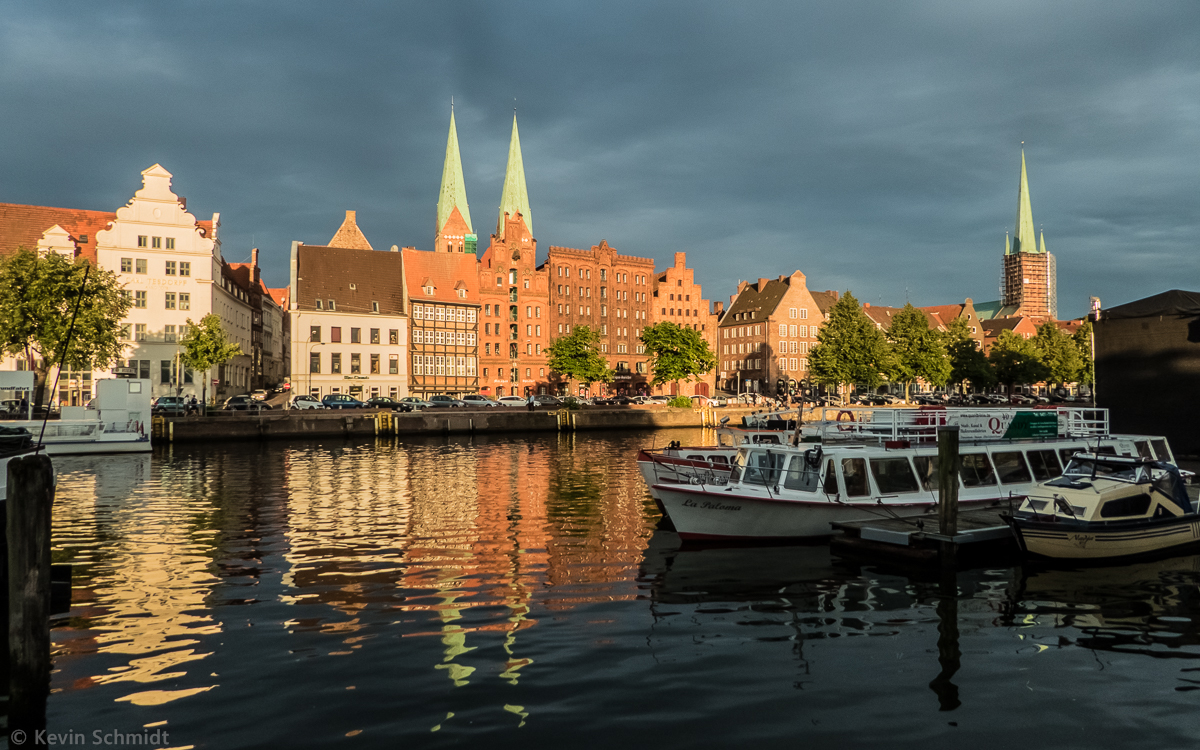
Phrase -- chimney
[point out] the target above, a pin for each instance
(680, 260)
(866, 305)
(720, 307)
(254, 265)
(395, 249)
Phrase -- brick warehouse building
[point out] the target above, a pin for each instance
(767, 333)
(680, 300)
(611, 294)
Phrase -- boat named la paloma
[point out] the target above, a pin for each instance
(881, 462)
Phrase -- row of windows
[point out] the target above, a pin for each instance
(743, 348)
(794, 331)
(137, 332)
(530, 311)
(802, 313)
(742, 331)
(586, 273)
(170, 267)
(682, 311)
(171, 300)
(427, 364)
(737, 365)
(791, 364)
(356, 363)
(444, 338)
(335, 335)
(444, 313)
(156, 243)
(514, 376)
(530, 330)
(513, 350)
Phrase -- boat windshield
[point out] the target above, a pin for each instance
(763, 467)
(1081, 467)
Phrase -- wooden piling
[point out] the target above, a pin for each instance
(30, 499)
(948, 467)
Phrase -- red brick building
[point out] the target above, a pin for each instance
(610, 293)
(680, 300)
(765, 337)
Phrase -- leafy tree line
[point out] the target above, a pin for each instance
(676, 353)
(851, 349)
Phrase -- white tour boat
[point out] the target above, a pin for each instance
(119, 423)
(1108, 507)
(882, 462)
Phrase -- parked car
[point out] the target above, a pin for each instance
(703, 401)
(512, 401)
(546, 400)
(304, 402)
(476, 399)
(244, 403)
(382, 402)
(341, 401)
(412, 403)
(169, 406)
(442, 401)
(260, 395)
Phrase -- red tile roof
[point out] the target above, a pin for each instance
(352, 278)
(446, 272)
(23, 226)
(280, 296)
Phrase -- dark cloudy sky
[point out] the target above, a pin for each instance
(873, 145)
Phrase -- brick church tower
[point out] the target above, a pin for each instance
(1029, 286)
(454, 232)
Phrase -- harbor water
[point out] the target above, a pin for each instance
(518, 592)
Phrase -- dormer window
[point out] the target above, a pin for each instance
(318, 304)
(331, 305)
(428, 290)
(374, 306)
(462, 293)
(353, 287)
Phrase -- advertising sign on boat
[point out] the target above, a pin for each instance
(992, 425)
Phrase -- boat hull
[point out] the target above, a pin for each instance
(1056, 541)
(715, 514)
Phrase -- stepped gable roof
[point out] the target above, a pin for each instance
(23, 226)
(351, 277)
(758, 298)
(349, 235)
(447, 273)
(1175, 302)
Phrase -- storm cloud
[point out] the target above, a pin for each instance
(875, 146)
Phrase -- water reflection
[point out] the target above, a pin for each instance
(460, 587)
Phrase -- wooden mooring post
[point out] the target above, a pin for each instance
(30, 499)
(948, 468)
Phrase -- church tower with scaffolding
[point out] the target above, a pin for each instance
(1029, 285)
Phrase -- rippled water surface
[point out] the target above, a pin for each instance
(517, 592)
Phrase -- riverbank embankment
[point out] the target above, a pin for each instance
(316, 423)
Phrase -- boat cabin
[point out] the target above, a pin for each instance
(1100, 489)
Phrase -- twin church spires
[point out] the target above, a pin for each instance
(454, 231)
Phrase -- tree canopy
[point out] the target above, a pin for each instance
(1058, 353)
(1083, 342)
(205, 345)
(1016, 360)
(39, 298)
(968, 363)
(850, 349)
(917, 351)
(676, 352)
(577, 356)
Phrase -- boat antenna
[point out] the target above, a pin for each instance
(66, 347)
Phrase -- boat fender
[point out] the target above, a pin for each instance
(812, 457)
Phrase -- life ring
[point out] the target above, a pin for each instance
(848, 414)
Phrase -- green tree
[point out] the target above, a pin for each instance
(577, 357)
(1059, 354)
(1083, 342)
(967, 362)
(850, 349)
(1016, 360)
(917, 352)
(676, 353)
(39, 298)
(205, 346)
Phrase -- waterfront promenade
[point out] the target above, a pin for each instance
(361, 423)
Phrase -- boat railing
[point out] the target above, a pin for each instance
(920, 425)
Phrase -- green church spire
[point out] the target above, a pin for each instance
(454, 192)
(1024, 238)
(515, 198)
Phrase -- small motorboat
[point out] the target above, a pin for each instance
(1108, 508)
